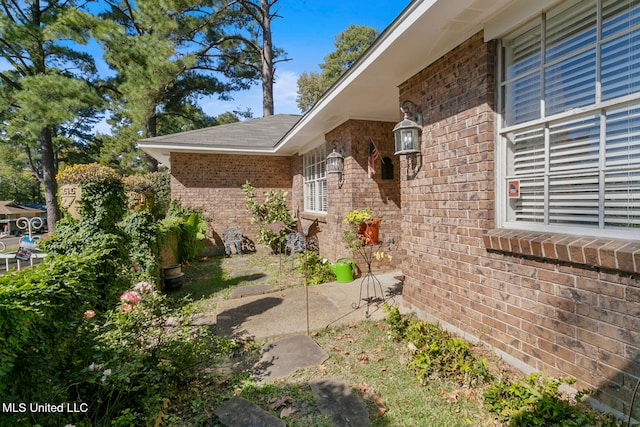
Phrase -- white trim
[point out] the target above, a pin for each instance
(514, 16)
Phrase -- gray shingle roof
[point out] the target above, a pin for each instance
(262, 133)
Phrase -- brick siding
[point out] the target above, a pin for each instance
(212, 182)
(564, 314)
(359, 191)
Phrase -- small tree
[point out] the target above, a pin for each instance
(274, 210)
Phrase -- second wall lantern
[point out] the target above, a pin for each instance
(407, 132)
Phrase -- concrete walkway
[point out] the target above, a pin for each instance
(284, 318)
(283, 313)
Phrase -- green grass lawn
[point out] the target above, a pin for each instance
(364, 355)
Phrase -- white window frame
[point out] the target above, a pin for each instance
(314, 174)
(587, 164)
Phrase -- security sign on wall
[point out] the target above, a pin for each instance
(513, 188)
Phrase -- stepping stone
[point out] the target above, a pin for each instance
(336, 399)
(239, 412)
(249, 290)
(281, 358)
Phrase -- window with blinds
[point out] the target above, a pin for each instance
(315, 180)
(570, 103)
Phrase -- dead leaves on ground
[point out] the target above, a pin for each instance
(367, 393)
(282, 404)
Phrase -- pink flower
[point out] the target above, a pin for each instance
(126, 307)
(88, 314)
(130, 297)
(143, 287)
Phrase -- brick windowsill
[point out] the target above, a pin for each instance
(613, 254)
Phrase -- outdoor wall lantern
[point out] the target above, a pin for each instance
(407, 132)
(335, 162)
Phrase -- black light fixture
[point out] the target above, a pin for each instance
(407, 132)
(335, 162)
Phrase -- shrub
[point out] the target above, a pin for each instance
(145, 355)
(144, 248)
(42, 340)
(103, 202)
(437, 352)
(273, 210)
(316, 271)
(537, 401)
(191, 228)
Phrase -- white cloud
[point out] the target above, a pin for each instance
(285, 91)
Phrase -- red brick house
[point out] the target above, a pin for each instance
(516, 218)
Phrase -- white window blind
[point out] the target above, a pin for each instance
(570, 101)
(315, 180)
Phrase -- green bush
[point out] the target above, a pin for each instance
(316, 271)
(103, 202)
(191, 228)
(437, 352)
(537, 401)
(42, 339)
(145, 354)
(273, 210)
(143, 235)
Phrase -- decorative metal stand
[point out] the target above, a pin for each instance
(369, 282)
(27, 244)
(29, 224)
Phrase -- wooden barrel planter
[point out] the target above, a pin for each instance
(173, 277)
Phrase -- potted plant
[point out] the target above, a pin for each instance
(362, 227)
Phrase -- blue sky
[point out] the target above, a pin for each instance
(306, 31)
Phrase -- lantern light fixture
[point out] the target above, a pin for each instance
(407, 132)
(335, 162)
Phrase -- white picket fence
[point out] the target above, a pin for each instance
(11, 262)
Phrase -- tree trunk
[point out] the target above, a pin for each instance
(49, 171)
(267, 60)
(152, 164)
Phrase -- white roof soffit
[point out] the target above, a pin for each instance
(423, 32)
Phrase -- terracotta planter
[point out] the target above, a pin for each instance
(369, 231)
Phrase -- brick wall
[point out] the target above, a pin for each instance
(213, 183)
(560, 315)
(359, 191)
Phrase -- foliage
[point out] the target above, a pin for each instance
(48, 98)
(162, 188)
(138, 184)
(537, 401)
(163, 54)
(83, 239)
(41, 334)
(350, 45)
(87, 173)
(273, 210)
(354, 219)
(396, 321)
(145, 355)
(191, 227)
(314, 267)
(437, 352)
(103, 199)
(143, 234)
(17, 183)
